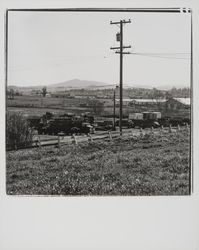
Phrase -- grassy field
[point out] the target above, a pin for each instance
(36, 105)
(37, 101)
(151, 165)
(33, 105)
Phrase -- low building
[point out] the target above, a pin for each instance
(125, 101)
(147, 101)
(178, 103)
(141, 105)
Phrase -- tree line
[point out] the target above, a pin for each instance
(11, 93)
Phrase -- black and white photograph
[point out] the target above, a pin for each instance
(99, 102)
(99, 125)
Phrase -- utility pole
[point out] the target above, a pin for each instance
(114, 96)
(121, 52)
(114, 110)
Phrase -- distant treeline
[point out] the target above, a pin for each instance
(140, 93)
(137, 93)
(156, 93)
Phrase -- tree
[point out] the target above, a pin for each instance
(96, 106)
(18, 131)
(168, 95)
(44, 91)
(156, 95)
(10, 93)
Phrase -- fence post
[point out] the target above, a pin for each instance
(74, 139)
(170, 128)
(152, 130)
(39, 142)
(58, 141)
(15, 144)
(187, 126)
(161, 129)
(90, 139)
(161, 132)
(141, 132)
(110, 135)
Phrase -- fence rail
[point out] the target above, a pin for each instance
(110, 135)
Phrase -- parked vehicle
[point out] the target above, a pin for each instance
(174, 121)
(66, 126)
(145, 124)
(164, 121)
(67, 123)
(151, 115)
(150, 123)
(126, 123)
(145, 119)
(136, 116)
(87, 117)
(177, 121)
(187, 121)
(104, 125)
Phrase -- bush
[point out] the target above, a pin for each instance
(18, 131)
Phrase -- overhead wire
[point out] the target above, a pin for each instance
(161, 55)
(164, 55)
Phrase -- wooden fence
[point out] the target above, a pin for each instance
(61, 139)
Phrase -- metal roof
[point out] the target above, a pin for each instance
(148, 100)
(185, 101)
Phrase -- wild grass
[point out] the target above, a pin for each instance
(148, 165)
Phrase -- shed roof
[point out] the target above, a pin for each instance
(185, 101)
(148, 100)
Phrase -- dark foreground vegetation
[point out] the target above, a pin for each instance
(18, 131)
(148, 165)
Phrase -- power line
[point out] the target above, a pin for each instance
(159, 56)
(164, 53)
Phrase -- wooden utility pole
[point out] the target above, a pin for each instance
(121, 52)
(114, 104)
(114, 110)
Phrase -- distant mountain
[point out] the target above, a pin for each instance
(78, 84)
(85, 84)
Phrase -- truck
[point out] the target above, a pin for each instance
(145, 119)
(136, 116)
(104, 125)
(66, 126)
(126, 123)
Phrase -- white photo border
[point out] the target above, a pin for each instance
(100, 222)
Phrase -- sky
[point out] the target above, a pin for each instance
(53, 47)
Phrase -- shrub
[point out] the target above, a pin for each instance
(18, 131)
